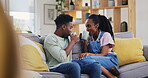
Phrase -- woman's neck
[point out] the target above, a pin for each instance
(95, 36)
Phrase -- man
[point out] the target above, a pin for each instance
(58, 48)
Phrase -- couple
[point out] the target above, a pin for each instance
(98, 56)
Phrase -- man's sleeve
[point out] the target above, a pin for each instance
(55, 50)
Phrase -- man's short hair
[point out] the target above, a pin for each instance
(62, 19)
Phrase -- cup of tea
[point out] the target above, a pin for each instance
(85, 35)
(73, 33)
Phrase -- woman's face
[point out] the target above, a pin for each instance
(91, 27)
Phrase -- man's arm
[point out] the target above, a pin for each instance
(74, 39)
(56, 51)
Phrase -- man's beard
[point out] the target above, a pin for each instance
(66, 36)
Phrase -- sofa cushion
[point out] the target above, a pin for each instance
(60, 75)
(129, 50)
(30, 74)
(32, 54)
(134, 70)
(51, 75)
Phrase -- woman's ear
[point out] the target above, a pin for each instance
(96, 26)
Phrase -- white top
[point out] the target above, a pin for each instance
(106, 39)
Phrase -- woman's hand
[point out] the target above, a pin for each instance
(84, 54)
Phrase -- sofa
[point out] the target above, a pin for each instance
(132, 70)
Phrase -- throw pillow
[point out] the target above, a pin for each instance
(129, 50)
(32, 55)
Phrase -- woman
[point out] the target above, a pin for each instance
(100, 43)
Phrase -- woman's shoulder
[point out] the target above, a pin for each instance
(106, 34)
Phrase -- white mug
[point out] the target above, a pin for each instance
(73, 33)
(85, 35)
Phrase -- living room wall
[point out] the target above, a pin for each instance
(46, 29)
(142, 20)
(41, 27)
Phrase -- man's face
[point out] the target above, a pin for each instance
(68, 29)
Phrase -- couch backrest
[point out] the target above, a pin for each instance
(145, 47)
(78, 48)
(124, 35)
(32, 37)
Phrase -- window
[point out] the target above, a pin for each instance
(22, 12)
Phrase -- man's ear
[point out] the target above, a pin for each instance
(63, 27)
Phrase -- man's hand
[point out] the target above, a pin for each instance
(74, 38)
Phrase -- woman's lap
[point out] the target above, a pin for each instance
(106, 62)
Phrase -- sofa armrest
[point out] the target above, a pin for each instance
(145, 50)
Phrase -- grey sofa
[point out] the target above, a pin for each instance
(134, 70)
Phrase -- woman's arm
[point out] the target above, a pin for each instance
(85, 49)
(104, 52)
(107, 43)
(85, 46)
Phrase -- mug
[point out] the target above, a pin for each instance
(73, 33)
(85, 35)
